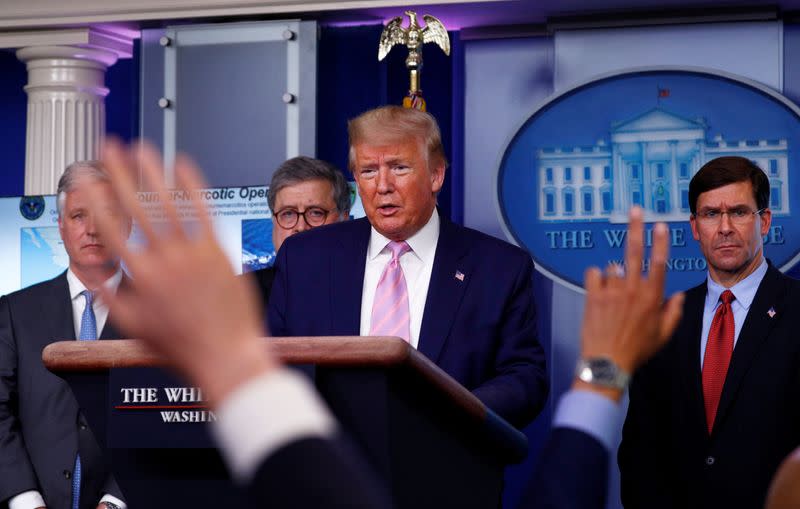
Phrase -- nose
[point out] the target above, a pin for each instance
(385, 181)
(301, 225)
(725, 224)
(91, 224)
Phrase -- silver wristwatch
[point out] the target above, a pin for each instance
(603, 372)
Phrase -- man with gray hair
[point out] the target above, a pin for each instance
(48, 456)
(304, 193)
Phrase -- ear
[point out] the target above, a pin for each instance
(766, 221)
(437, 177)
(693, 224)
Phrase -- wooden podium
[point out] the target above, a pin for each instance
(431, 441)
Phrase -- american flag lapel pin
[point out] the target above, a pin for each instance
(460, 275)
(771, 312)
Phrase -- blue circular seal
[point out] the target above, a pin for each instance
(31, 207)
(574, 169)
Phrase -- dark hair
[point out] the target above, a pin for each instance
(722, 171)
(301, 169)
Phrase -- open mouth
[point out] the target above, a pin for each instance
(388, 210)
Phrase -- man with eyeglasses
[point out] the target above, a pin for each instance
(712, 416)
(304, 193)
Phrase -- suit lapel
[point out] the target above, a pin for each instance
(755, 330)
(58, 310)
(109, 330)
(347, 279)
(445, 291)
(692, 329)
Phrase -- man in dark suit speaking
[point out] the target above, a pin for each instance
(275, 434)
(48, 456)
(462, 298)
(712, 416)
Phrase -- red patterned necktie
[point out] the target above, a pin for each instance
(719, 349)
(390, 314)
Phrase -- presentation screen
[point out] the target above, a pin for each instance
(31, 249)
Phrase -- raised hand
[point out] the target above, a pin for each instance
(184, 300)
(625, 318)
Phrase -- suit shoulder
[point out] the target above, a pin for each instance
(38, 291)
(326, 234)
(697, 291)
(791, 283)
(488, 243)
(790, 292)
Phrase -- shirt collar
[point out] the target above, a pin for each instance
(744, 291)
(76, 286)
(422, 243)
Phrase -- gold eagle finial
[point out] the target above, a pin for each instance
(413, 37)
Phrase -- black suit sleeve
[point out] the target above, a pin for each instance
(16, 471)
(276, 312)
(519, 388)
(313, 473)
(572, 473)
(645, 478)
(110, 487)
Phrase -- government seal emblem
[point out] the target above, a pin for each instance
(31, 207)
(587, 155)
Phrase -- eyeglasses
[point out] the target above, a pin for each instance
(736, 215)
(313, 216)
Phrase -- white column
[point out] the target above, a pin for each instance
(674, 175)
(647, 204)
(66, 110)
(618, 175)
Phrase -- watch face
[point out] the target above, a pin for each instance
(603, 372)
(602, 369)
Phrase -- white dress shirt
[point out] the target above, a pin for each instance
(417, 266)
(595, 415)
(33, 499)
(79, 301)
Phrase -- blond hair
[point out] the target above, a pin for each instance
(389, 125)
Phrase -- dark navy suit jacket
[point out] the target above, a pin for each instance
(41, 428)
(667, 458)
(572, 474)
(479, 328)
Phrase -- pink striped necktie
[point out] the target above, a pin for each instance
(390, 315)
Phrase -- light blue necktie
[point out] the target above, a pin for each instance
(88, 322)
(88, 333)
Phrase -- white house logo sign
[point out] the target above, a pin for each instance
(573, 170)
